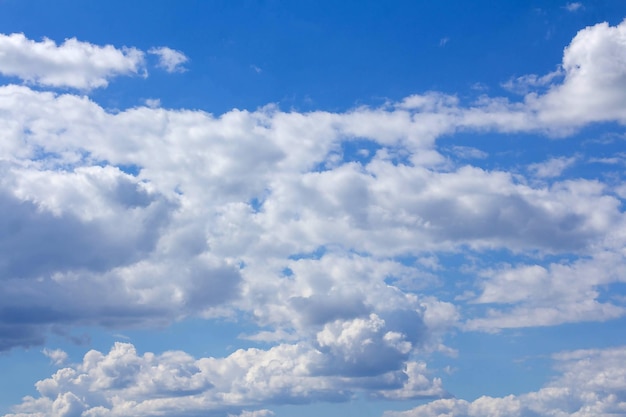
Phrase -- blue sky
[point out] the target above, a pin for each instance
(265, 208)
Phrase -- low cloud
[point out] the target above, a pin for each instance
(73, 63)
(122, 382)
(591, 383)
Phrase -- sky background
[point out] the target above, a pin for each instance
(271, 208)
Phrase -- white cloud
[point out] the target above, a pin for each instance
(72, 64)
(467, 152)
(57, 356)
(165, 214)
(122, 382)
(545, 296)
(153, 103)
(530, 82)
(595, 77)
(170, 60)
(256, 413)
(185, 208)
(574, 6)
(551, 168)
(592, 383)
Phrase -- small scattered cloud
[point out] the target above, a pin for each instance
(467, 152)
(552, 168)
(444, 41)
(57, 356)
(170, 60)
(526, 83)
(478, 86)
(574, 6)
(153, 103)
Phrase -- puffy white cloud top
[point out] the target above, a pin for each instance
(122, 383)
(77, 64)
(73, 64)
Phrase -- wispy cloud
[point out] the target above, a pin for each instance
(57, 356)
(169, 59)
(574, 6)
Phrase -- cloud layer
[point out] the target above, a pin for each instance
(323, 229)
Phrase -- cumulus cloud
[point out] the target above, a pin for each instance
(122, 382)
(77, 64)
(148, 215)
(170, 60)
(73, 63)
(591, 383)
(595, 74)
(161, 193)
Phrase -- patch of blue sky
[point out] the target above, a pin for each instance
(515, 361)
(614, 293)
(358, 150)
(509, 362)
(316, 254)
(25, 367)
(306, 52)
(130, 169)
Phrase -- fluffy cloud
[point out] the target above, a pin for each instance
(595, 76)
(321, 227)
(592, 383)
(77, 64)
(123, 382)
(169, 194)
(73, 64)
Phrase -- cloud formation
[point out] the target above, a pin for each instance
(225, 223)
(73, 63)
(591, 383)
(169, 59)
(77, 64)
(122, 382)
(322, 228)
